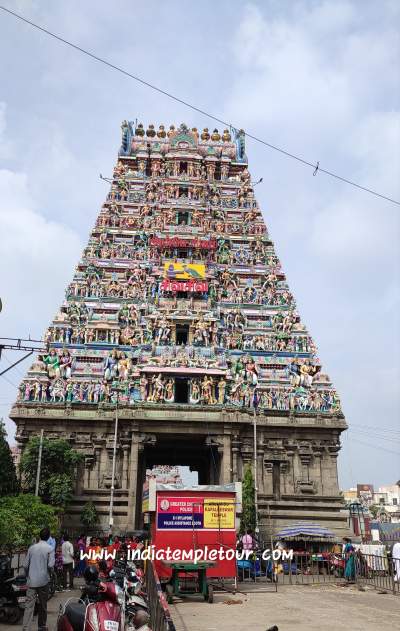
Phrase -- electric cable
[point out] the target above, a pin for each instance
(316, 167)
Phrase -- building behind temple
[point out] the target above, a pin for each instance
(179, 316)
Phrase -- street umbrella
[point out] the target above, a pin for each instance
(303, 529)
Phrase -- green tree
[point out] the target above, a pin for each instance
(58, 470)
(374, 510)
(248, 518)
(21, 519)
(89, 515)
(8, 478)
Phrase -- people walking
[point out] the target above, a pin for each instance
(68, 562)
(247, 540)
(39, 562)
(80, 550)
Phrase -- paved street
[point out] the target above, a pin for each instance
(293, 608)
(53, 608)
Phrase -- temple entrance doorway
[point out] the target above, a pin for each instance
(177, 450)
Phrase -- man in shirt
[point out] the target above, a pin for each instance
(38, 563)
(67, 550)
(52, 542)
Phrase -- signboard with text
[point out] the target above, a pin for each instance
(176, 513)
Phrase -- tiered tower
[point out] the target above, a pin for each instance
(179, 316)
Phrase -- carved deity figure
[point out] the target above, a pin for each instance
(207, 386)
(111, 365)
(143, 387)
(65, 361)
(221, 391)
(52, 362)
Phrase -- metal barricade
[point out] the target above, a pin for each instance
(160, 617)
(309, 569)
(256, 569)
(379, 572)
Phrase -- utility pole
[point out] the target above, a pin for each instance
(255, 466)
(111, 518)
(39, 464)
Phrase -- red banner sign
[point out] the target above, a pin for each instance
(176, 242)
(190, 285)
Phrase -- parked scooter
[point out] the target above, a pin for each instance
(12, 599)
(101, 607)
(135, 596)
(337, 566)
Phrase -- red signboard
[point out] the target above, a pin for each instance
(176, 242)
(190, 285)
(198, 520)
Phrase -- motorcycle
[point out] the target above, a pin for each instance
(101, 607)
(12, 599)
(337, 566)
(135, 597)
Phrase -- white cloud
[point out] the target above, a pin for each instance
(38, 257)
(319, 78)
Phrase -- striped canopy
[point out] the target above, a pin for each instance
(304, 529)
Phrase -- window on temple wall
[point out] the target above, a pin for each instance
(183, 218)
(183, 167)
(217, 173)
(182, 333)
(181, 390)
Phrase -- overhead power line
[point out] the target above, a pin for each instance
(362, 442)
(316, 167)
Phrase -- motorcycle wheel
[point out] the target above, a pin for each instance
(14, 615)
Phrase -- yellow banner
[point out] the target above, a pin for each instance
(218, 513)
(184, 271)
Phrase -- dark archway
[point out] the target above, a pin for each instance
(179, 450)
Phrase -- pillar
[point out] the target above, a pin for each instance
(133, 480)
(226, 472)
(125, 473)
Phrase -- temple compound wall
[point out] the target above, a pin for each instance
(180, 322)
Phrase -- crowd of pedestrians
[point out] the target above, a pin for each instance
(66, 560)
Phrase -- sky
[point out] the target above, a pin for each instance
(319, 79)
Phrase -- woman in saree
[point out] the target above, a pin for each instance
(348, 551)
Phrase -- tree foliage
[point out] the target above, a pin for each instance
(58, 470)
(248, 518)
(8, 478)
(374, 510)
(21, 519)
(89, 515)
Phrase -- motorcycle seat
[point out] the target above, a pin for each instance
(75, 612)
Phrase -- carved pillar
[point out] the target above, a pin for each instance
(226, 465)
(133, 473)
(316, 468)
(138, 441)
(276, 461)
(235, 457)
(89, 464)
(125, 457)
(304, 483)
(329, 469)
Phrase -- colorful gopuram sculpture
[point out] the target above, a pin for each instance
(179, 315)
(180, 277)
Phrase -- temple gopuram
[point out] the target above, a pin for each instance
(180, 320)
